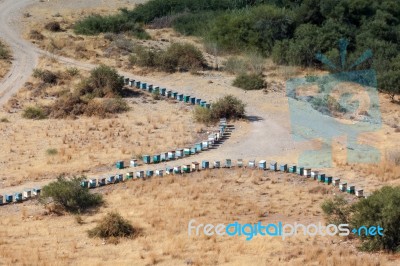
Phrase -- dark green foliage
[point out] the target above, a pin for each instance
(228, 107)
(249, 82)
(34, 112)
(45, 75)
(70, 195)
(178, 57)
(381, 208)
(113, 225)
(4, 52)
(103, 81)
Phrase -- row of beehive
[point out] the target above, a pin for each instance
(212, 140)
(19, 196)
(166, 93)
(195, 166)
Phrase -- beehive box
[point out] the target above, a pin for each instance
(149, 173)
(18, 197)
(159, 172)
(210, 143)
(262, 164)
(198, 101)
(205, 164)
(283, 167)
(132, 83)
(351, 189)
(195, 166)
(186, 98)
(129, 175)
(169, 170)
(36, 191)
(179, 153)
(120, 165)
(126, 81)
(92, 183)
(186, 168)
(9, 198)
(143, 86)
(336, 182)
(140, 174)
(177, 170)
(328, 180)
(321, 178)
(146, 159)
(171, 155)
(228, 163)
(180, 97)
(314, 175)
(163, 91)
(27, 193)
(101, 181)
(85, 183)
(1, 200)
(208, 105)
(169, 94)
(186, 151)
(111, 179)
(343, 186)
(307, 172)
(150, 88)
(199, 146)
(175, 95)
(251, 164)
(193, 151)
(193, 100)
(273, 166)
(203, 103)
(217, 164)
(119, 177)
(164, 156)
(138, 84)
(134, 163)
(156, 158)
(204, 145)
(300, 171)
(239, 163)
(292, 169)
(360, 193)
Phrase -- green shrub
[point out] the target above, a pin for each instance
(235, 65)
(51, 151)
(72, 71)
(113, 225)
(34, 112)
(45, 75)
(70, 195)
(228, 107)
(249, 82)
(381, 208)
(4, 52)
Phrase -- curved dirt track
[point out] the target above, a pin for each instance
(268, 135)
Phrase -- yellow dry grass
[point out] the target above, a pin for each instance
(162, 208)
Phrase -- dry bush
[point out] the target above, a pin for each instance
(36, 35)
(53, 26)
(113, 225)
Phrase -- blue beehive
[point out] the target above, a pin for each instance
(328, 180)
(92, 183)
(198, 101)
(9, 198)
(205, 164)
(169, 94)
(36, 191)
(321, 178)
(199, 146)
(203, 103)
(300, 171)
(262, 164)
(175, 95)
(111, 179)
(120, 165)
(273, 166)
(171, 155)
(193, 100)
(292, 169)
(146, 159)
(18, 197)
(150, 88)
(138, 84)
(180, 97)
(193, 150)
(140, 174)
(149, 173)
(101, 181)
(144, 86)
(84, 183)
(163, 91)
(156, 158)
(283, 168)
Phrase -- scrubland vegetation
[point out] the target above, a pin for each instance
(4, 52)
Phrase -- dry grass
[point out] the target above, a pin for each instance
(162, 207)
(5, 64)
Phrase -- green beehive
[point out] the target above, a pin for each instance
(186, 168)
(292, 169)
(321, 178)
(328, 180)
(129, 175)
(120, 165)
(186, 98)
(146, 159)
(186, 151)
(156, 158)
